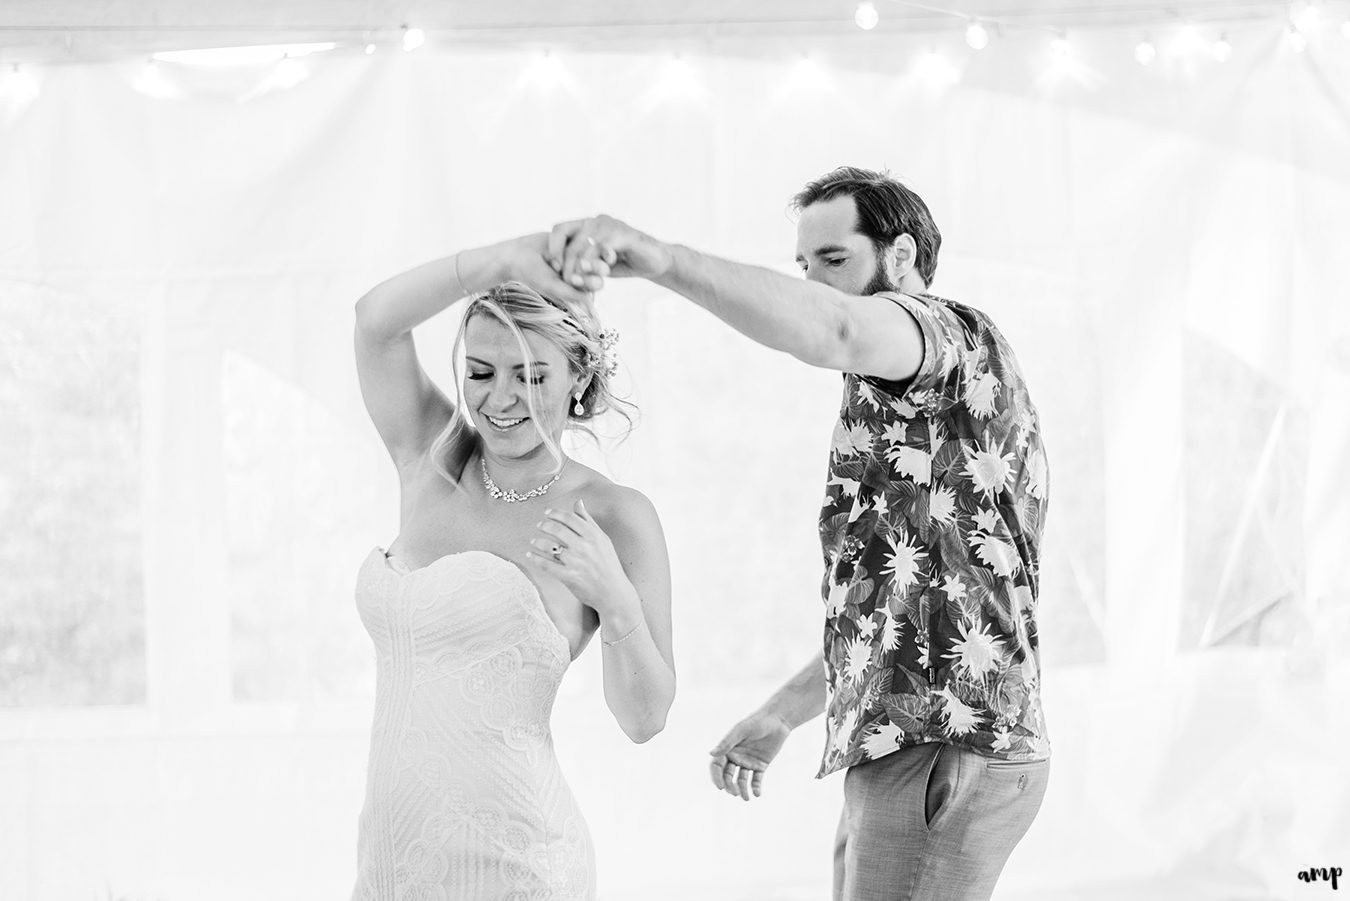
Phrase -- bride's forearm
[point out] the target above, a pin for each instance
(639, 682)
(400, 303)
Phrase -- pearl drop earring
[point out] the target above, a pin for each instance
(578, 409)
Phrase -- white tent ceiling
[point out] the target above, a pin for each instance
(52, 31)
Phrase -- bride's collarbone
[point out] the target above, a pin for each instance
(430, 532)
(460, 527)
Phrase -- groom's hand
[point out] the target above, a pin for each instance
(741, 757)
(604, 245)
(524, 260)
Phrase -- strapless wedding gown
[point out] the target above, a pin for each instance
(464, 797)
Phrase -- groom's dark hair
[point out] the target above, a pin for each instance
(886, 210)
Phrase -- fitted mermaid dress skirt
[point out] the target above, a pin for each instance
(464, 797)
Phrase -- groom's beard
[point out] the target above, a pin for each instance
(881, 281)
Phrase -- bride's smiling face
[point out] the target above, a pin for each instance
(498, 383)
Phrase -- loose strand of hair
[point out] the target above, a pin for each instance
(531, 392)
(451, 437)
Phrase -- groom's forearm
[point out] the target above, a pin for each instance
(802, 698)
(799, 317)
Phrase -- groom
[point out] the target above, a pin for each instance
(929, 674)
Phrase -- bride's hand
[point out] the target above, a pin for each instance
(523, 260)
(571, 547)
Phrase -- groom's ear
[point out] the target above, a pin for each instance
(903, 254)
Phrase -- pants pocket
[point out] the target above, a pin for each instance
(941, 784)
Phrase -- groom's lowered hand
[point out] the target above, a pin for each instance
(741, 757)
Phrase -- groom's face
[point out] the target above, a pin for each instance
(832, 251)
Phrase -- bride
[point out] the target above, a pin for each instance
(510, 556)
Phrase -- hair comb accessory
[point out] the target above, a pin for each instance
(609, 359)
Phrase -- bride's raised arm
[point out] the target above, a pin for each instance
(408, 410)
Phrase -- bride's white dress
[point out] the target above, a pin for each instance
(464, 797)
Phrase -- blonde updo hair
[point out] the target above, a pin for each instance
(573, 327)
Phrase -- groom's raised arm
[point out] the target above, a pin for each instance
(814, 322)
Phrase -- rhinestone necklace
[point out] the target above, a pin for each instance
(510, 495)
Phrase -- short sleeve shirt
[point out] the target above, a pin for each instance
(931, 531)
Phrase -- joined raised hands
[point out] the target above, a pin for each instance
(525, 259)
(576, 257)
(584, 252)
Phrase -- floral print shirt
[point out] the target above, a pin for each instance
(931, 532)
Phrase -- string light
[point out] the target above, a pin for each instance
(1302, 18)
(546, 72)
(1307, 19)
(1297, 42)
(1188, 40)
(1145, 52)
(977, 36)
(20, 86)
(1221, 49)
(808, 76)
(1063, 65)
(413, 38)
(678, 70)
(679, 80)
(866, 16)
(936, 71)
(152, 82)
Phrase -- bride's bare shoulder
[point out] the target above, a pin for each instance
(612, 503)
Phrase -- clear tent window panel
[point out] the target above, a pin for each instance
(72, 612)
(1245, 465)
(288, 471)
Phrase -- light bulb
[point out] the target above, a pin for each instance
(679, 68)
(936, 70)
(866, 16)
(1307, 19)
(977, 36)
(1145, 52)
(1221, 49)
(413, 38)
(19, 86)
(680, 79)
(545, 72)
(152, 82)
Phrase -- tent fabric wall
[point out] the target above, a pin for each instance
(1162, 247)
